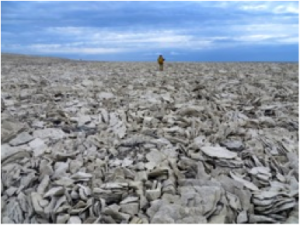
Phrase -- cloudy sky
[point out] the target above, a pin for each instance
(139, 31)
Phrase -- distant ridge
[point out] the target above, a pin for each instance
(13, 58)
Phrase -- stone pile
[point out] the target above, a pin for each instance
(99, 142)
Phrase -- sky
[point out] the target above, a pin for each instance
(140, 31)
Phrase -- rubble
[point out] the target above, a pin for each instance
(124, 144)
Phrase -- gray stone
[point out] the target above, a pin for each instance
(74, 220)
(38, 146)
(24, 94)
(83, 119)
(38, 124)
(195, 196)
(20, 139)
(10, 191)
(10, 129)
(87, 83)
(7, 220)
(292, 220)
(36, 198)
(130, 199)
(233, 145)
(197, 219)
(219, 217)
(2, 204)
(1, 187)
(153, 194)
(62, 218)
(37, 143)
(3, 107)
(163, 219)
(293, 217)
(9, 102)
(105, 95)
(242, 217)
(130, 208)
(155, 156)
(53, 133)
(11, 153)
(171, 198)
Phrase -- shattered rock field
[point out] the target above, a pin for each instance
(121, 142)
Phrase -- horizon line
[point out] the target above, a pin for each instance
(180, 61)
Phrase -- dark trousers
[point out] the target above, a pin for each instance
(161, 67)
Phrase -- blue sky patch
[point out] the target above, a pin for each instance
(139, 31)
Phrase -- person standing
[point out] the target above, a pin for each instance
(160, 61)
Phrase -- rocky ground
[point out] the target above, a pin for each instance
(103, 142)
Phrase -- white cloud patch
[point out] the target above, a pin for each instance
(254, 7)
(63, 49)
(267, 7)
(288, 40)
(103, 36)
(174, 53)
(257, 37)
(87, 40)
(58, 48)
(130, 40)
(287, 9)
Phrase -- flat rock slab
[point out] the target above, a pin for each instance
(38, 146)
(233, 145)
(9, 130)
(218, 152)
(20, 139)
(53, 133)
(7, 151)
(105, 95)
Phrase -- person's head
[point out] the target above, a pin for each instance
(160, 55)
